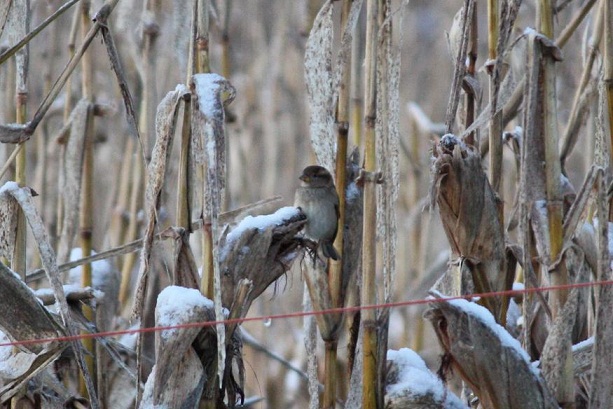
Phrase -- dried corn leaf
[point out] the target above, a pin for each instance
(49, 262)
(469, 210)
(24, 318)
(601, 394)
(318, 74)
(487, 358)
(165, 124)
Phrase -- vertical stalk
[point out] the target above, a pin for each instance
(226, 72)
(86, 234)
(471, 71)
(335, 276)
(22, 11)
(18, 263)
(200, 49)
(559, 275)
(85, 216)
(357, 113)
(495, 135)
(369, 252)
(608, 74)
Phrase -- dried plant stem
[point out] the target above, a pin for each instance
(19, 255)
(330, 378)
(608, 68)
(22, 12)
(225, 41)
(559, 274)
(86, 235)
(183, 195)
(132, 230)
(200, 47)
(471, 70)
(122, 196)
(495, 129)
(335, 275)
(369, 245)
(356, 91)
(416, 236)
(86, 209)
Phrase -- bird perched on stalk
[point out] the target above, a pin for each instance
(318, 200)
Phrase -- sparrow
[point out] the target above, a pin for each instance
(318, 200)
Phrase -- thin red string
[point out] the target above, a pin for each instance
(300, 314)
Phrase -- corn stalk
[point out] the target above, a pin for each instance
(369, 241)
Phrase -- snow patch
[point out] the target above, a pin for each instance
(175, 306)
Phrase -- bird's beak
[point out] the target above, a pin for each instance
(305, 178)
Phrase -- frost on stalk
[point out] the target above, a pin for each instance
(319, 83)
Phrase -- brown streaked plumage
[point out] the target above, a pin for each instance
(318, 200)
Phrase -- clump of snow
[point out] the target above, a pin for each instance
(207, 88)
(416, 379)
(519, 286)
(262, 222)
(181, 89)
(176, 305)
(10, 185)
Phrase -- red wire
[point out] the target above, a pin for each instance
(304, 313)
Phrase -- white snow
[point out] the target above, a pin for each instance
(415, 377)
(261, 222)
(519, 287)
(10, 185)
(181, 89)
(175, 306)
(207, 90)
(584, 344)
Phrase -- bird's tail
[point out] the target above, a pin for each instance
(329, 251)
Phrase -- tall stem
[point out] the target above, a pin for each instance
(85, 217)
(369, 252)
